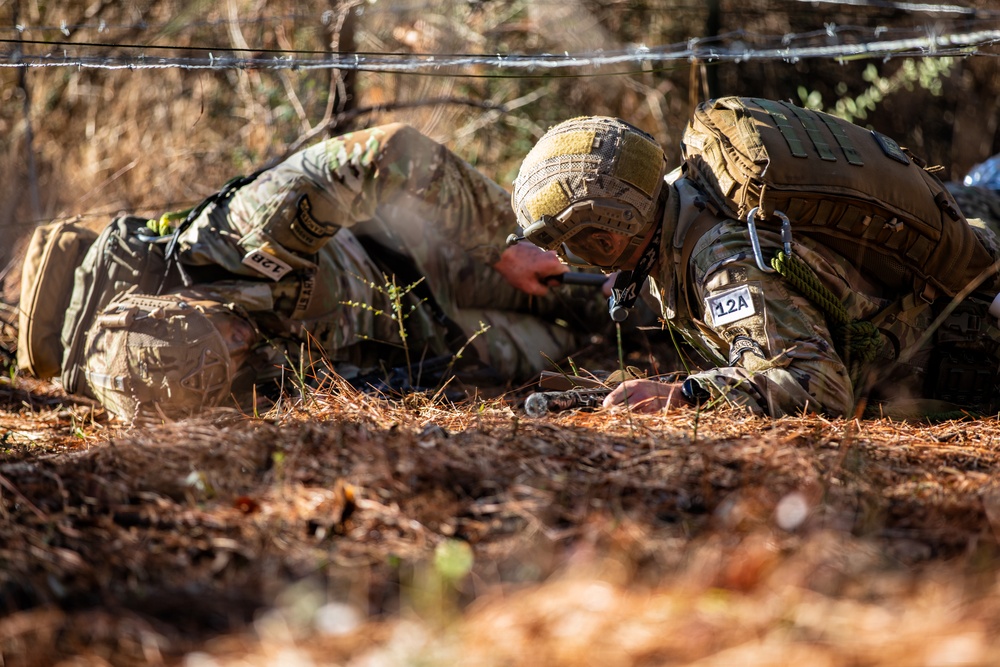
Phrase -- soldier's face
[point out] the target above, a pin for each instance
(598, 247)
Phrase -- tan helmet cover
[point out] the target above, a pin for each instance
(158, 356)
(589, 172)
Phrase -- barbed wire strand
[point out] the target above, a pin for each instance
(933, 44)
(914, 7)
(828, 31)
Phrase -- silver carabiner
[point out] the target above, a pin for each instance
(755, 242)
(786, 237)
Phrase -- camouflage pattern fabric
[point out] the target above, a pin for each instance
(158, 356)
(772, 346)
(286, 249)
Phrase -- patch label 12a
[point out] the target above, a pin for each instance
(731, 306)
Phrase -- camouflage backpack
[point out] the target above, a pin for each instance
(70, 276)
(854, 189)
(52, 255)
(126, 254)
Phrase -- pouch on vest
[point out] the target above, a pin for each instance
(53, 253)
(964, 366)
(126, 254)
(853, 189)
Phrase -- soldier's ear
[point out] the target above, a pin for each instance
(607, 242)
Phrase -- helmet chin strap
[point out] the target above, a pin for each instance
(629, 283)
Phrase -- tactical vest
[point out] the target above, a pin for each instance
(853, 189)
(958, 372)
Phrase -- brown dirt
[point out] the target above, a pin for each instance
(337, 529)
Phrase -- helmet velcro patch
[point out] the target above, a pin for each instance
(593, 172)
(549, 200)
(640, 163)
(577, 142)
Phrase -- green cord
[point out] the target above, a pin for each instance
(858, 341)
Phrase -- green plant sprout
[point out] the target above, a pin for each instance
(928, 73)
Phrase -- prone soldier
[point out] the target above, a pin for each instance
(815, 265)
(376, 249)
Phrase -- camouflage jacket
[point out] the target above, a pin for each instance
(287, 246)
(773, 349)
(373, 242)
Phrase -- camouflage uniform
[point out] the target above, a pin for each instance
(821, 332)
(775, 352)
(321, 251)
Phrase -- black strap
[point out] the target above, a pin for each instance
(705, 221)
(628, 284)
(171, 251)
(780, 118)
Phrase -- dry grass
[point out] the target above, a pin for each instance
(153, 140)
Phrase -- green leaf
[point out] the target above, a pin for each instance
(453, 560)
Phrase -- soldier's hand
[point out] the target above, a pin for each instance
(527, 267)
(646, 396)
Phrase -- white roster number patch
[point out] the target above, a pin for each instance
(730, 306)
(266, 264)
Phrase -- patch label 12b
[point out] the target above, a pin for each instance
(266, 264)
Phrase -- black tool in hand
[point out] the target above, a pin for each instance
(578, 278)
(544, 402)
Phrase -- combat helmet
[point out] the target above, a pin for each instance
(591, 172)
(158, 357)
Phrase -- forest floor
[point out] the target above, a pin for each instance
(346, 529)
